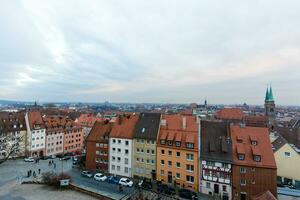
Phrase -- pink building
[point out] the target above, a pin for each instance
(74, 138)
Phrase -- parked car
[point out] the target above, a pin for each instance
(113, 179)
(59, 155)
(163, 188)
(100, 177)
(126, 182)
(29, 159)
(45, 157)
(65, 158)
(145, 184)
(188, 194)
(87, 174)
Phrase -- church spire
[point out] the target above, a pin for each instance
(270, 97)
(267, 94)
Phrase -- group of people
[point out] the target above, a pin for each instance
(30, 172)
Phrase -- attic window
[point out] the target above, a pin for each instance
(162, 141)
(254, 142)
(189, 145)
(177, 144)
(143, 130)
(170, 142)
(241, 156)
(257, 158)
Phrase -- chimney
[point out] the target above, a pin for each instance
(183, 122)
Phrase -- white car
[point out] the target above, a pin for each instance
(100, 177)
(126, 182)
(29, 159)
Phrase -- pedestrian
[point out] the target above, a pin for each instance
(34, 174)
(54, 165)
(52, 162)
(28, 173)
(39, 171)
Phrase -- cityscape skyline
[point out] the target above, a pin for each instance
(134, 52)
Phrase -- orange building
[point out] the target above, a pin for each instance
(177, 151)
(73, 139)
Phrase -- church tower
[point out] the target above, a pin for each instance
(270, 108)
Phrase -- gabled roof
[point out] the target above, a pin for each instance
(262, 148)
(124, 127)
(35, 118)
(215, 141)
(267, 195)
(147, 126)
(278, 143)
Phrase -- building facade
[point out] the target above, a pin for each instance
(254, 166)
(177, 151)
(144, 145)
(216, 160)
(97, 148)
(36, 134)
(121, 145)
(73, 138)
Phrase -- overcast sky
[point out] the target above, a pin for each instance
(150, 51)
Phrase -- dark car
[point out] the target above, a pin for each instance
(188, 194)
(145, 184)
(45, 157)
(87, 174)
(59, 155)
(163, 188)
(113, 180)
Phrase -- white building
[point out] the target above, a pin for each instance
(120, 146)
(54, 142)
(36, 134)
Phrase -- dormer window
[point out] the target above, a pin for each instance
(162, 141)
(241, 156)
(254, 142)
(143, 130)
(257, 158)
(170, 142)
(189, 145)
(177, 144)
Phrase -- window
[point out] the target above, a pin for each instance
(207, 184)
(190, 168)
(177, 175)
(114, 141)
(163, 152)
(253, 181)
(287, 154)
(137, 159)
(177, 164)
(256, 158)
(148, 161)
(127, 142)
(162, 172)
(97, 152)
(243, 170)
(142, 150)
(152, 142)
(170, 153)
(142, 160)
(137, 150)
(241, 156)
(170, 163)
(126, 151)
(253, 169)
(162, 162)
(126, 161)
(153, 152)
(178, 154)
(118, 168)
(113, 158)
(254, 143)
(142, 141)
(119, 159)
(113, 167)
(190, 157)
(243, 182)
(162, 141)
(125, 169)
(177, 144)
(224, 188)
(190, 179)
(143, 130)
(189, 145)
(148, 151)
(152, 161)
(119, 150)
(170, 142)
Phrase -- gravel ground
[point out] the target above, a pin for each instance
(15, 191)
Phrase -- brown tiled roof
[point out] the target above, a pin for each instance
(88, 120)
(267, 195)
(257, 120)
(263, 146)
(278, 143)
(190, 138)
(256, 150)
(178, 137)
(124, 127)
(100, 129)
(240, 149)
(171, 136)
(230, 114)
(35, 118)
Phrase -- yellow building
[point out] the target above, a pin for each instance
(287, 161)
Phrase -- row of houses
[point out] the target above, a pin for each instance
(38, 135)
(216, 157)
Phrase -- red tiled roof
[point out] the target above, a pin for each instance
(124, 127)
(88, 120)
(99, 129)
(176, 131)
(230, 114)
(263, 143)
(240, 149)
(35, 118)
(267, 195)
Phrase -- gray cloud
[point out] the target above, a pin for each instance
(149, 51)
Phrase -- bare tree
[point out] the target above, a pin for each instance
(9, 146)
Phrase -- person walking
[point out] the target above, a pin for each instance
(54, 165)
(34, 175)
(39, 171)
